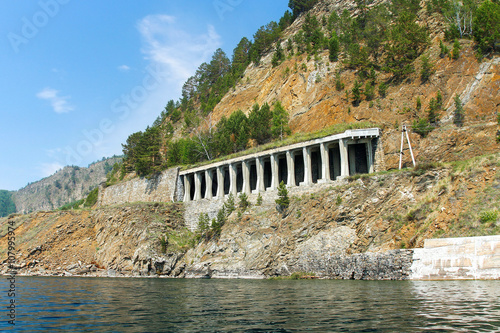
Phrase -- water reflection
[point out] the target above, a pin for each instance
(159, 305)
(460, 305)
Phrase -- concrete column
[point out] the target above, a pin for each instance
(261, 187)
(344, 158)
(325, 163)
(291, 169)
(197, 186)
(306, 153)
(187, 189)
(208, 182)
(274, 171)
(369, 156)
(232, 179)
(245, 168)
(220, 182)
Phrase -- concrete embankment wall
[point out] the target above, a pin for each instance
(161, 188)
(470, 258)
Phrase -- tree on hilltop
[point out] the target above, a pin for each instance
(300, 6)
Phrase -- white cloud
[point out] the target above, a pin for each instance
(59, 103)
(48, 169)
(180, 51)
(124, 68)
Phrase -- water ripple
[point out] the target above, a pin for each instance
(160, 305)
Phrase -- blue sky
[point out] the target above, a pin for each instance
(77, 77)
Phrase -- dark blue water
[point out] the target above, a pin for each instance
(164, 305)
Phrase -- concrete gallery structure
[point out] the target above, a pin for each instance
(301, 164)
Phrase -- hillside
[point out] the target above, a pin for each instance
(390, 64)
(386, 211)
(384, 64)
(69, 184)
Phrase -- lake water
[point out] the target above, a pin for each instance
(165, 305)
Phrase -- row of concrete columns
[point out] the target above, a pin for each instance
(347, 167)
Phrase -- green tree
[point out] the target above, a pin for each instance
(300, 6)
(333, 47)
(427, 69)
(382, 89)
(458, 115)
(232, 133)
(278, 55)
(356, 92)
(279, 127)
(283, 200)
(259, 120)
(264, 39)
(432, 112)
(203, 222)
(486, 27)
(229, 205)
(92, 198)
(369, 91)
(407, 40)
(244, 203)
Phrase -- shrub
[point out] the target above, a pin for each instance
(444, 50)
(488, 216)
(421, 127)
(259, 199)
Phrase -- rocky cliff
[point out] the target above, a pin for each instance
(67, 185)
(305, 86)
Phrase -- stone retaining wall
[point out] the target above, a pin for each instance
(161, 188)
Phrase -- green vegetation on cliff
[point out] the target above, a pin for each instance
(7, 206)
(388, 40)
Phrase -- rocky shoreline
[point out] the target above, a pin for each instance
(391, 265)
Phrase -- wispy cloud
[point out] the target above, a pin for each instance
(180, 51)
(48, 169)
(59, 103)
(124, 68)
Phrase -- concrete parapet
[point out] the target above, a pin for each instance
(468, 258)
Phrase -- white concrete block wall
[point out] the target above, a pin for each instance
(470, 258)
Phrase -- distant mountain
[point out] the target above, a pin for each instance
(69, 184)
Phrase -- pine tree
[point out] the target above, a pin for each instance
(283, 201)
(279, 126)
(458, 115)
